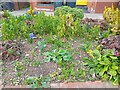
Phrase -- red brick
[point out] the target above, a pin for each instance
(98, 7)
(96, 84)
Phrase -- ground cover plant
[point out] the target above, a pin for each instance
(38, 50)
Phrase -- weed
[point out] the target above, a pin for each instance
(35, 63)
(56, 56)
(37, 82)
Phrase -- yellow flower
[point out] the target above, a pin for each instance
(28, 11)
(34, 15)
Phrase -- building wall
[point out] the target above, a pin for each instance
(97, 6)
(19, 5)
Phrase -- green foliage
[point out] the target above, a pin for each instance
(10, 51)
(6, 14)
(14, 28)
(37, 82)
(57, 55)
(112, 18)
(105, 34)
(62, 26)
(18, 68)
(41, 45)
(86, 47)
(35, 63)
(68, 71)
(18, 74)
(104, 64)
(89, 34)
(43, 24)
(66, 26)
(76, 13)
(54, 40)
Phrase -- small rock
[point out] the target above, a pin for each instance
(27, 55)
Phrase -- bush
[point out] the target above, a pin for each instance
(112, 18)
(43, 24)
(62, 26)
(14, 28)
(76, 13)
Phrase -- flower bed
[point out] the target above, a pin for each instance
(60, 48)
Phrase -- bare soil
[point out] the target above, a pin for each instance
(45, 69)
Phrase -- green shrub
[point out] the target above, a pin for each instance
(6, 14)
(76, 13)
(87, 32)
(65, 26)
(62, 26)
(43, 25)
(112, 18)
(14, 28)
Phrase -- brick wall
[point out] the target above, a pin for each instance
(98, 7)
(19, 5)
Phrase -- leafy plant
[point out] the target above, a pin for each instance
(66, 26)
(111, 42)
(68, 71)
(57, 55)
(89, 34)
(53, 39)
(6, 14)
(43, 25)
(37, 82)
(18, 74)
(104, 64)
(112, 18)
(86, 47)
(76, 13)
(35, 63)
(19, 66)
(10, 51)
(42, 45)
(14, 28)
